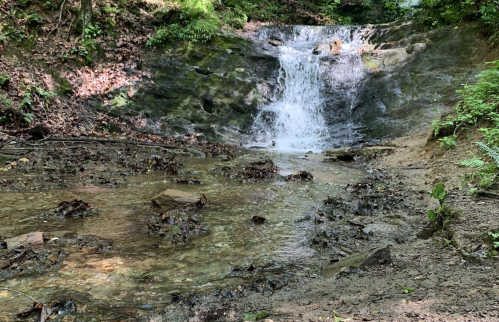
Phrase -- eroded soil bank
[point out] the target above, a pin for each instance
(345, 244)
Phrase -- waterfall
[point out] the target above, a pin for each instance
(316, 92)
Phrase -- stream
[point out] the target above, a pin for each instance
(141, 272)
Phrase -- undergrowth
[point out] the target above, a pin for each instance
(436, 13)
(479, 108)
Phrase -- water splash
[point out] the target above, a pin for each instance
(300, 115)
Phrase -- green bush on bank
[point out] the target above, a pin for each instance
(479, 107)
(435, 13)
(189, 20)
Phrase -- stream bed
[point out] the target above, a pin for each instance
(135, 271)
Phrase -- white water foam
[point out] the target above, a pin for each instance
(295, 120)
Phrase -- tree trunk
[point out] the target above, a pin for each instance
(85, 14)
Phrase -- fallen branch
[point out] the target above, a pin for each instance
(6, 142)
(70, 26)
(487, 194)
(90, 140)
(60, 18)
(21, 293)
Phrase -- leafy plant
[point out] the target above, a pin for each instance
(406, 290)
(448, 142)
(92, 31)
(492, 151)
(444, 214)
(4, 80)
(474, 162)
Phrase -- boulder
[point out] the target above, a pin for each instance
(175, 199)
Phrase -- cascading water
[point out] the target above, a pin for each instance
(317, 90)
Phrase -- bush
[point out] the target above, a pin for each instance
(479, 105)
(191, 20)
(436, 13)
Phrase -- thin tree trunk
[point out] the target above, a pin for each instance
(85, 14)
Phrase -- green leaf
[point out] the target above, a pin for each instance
(406, 290)
(432, 216)
(439, 192)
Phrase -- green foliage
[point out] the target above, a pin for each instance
(254, 317)
(474, 162)
(406, 290)
(448, 142)
(492, 151)
(51, 5)
(16, 35)
(495, 239)
(190, 20)
(4, 80)
(436, 13)
(439, 192)
(444, 214)
(479, 105)
(93, 31)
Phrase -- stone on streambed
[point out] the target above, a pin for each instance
(34, 238)
(341, 154)
(378, 256)
(175, 199)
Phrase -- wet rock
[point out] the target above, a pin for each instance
(66, 209)
(374, 151)
(301, 175)
(167, 165)
(89, 244)
(253, 171)
(320, 48)
(175, 225)
(175, 199)
(190, 180)
(34, 238)
(379, 256)
(341, 154)
(195, 152)
(259, 220)
(275, 43)
(26, 260)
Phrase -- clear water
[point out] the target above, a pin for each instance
(296, 119)
(134, 275)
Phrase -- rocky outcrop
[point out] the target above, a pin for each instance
(413, 75)
(212, 89)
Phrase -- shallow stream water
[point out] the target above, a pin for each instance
(134, 276)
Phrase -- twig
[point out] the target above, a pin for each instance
(6, 142)
(486, 194)
(12, 17)
(11, 290)
(70, 26)
(140, 143)
(60, 18)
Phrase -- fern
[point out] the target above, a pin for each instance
(472, 163)
(492, 151)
